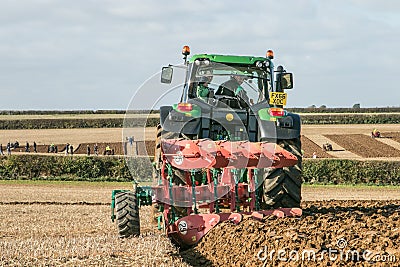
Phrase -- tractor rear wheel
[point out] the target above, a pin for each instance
(282, 187)
(128, 221)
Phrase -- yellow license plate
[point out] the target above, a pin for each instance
(276, 98)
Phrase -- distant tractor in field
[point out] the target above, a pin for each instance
(375, 133)
(327, 147)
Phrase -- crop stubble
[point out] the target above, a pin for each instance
(71, 233)
(70, 225)
(77, 235)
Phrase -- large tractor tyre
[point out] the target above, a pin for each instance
(282, 187)
(128, 221)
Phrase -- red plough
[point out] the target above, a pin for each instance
(204, 153)
(220, 180)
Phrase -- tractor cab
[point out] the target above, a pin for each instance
(238, 97)
(238, 82)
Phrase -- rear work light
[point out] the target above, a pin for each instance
(185, 107)
(277, 112)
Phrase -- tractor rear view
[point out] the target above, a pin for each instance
(227, 149)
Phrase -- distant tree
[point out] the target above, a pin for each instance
(312, 106)
(357, 106)
(323, 106)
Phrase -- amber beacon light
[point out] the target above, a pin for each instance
(186, 50)
(270, 54)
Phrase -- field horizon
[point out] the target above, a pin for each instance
(343, 137)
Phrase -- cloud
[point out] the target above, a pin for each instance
(89, 52)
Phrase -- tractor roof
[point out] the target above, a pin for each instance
(247, 60)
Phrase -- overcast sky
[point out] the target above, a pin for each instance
(95, 54)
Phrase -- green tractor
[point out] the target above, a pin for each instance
(227, 144)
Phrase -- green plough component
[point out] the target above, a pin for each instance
(143, 195)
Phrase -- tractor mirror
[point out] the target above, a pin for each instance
(166, 74)
(286, 80)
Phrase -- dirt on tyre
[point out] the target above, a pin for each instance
(127, 214)
(282, 187)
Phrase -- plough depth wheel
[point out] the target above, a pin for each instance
(127, 214)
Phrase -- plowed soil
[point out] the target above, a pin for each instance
(393, 135)
(117, 147)
(364, 145)
(338, 233)
(309, 147)
(140, 148)
(39, 148)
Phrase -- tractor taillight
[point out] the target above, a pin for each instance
(277, 112)
(185, 107)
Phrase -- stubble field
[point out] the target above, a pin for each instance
(68, 224)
